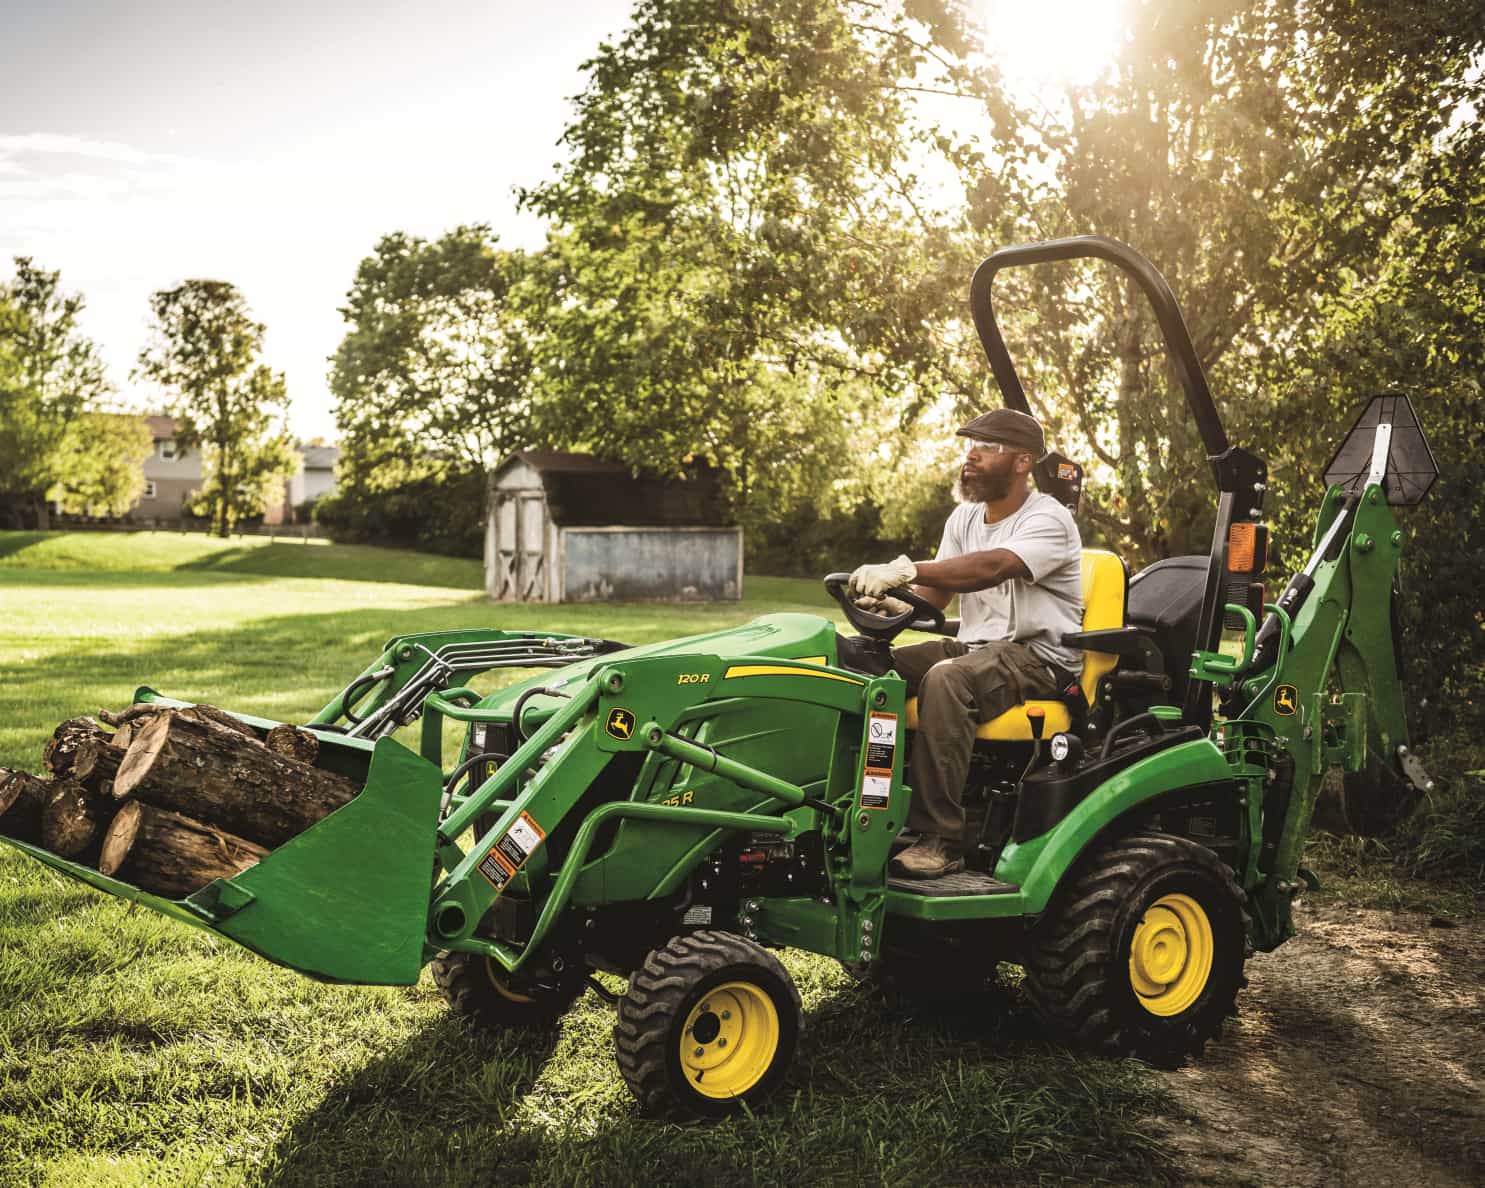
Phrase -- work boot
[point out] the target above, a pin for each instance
(931, 858)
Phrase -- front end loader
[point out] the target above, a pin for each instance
(671, 813)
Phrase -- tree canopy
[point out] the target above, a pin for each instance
(203, 353)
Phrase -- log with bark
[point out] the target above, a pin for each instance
(169, 854)
(65, 741)
(293, 743)
(142, 713)
(95, 763)
(22, 799)
(74, 820)
(196, 767)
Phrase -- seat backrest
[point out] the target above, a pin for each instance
(1105, 588)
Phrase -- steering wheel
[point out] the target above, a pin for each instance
(921, 614)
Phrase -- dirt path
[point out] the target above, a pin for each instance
(1358, 1059)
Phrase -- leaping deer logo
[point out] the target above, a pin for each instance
(1286, 700)
(620, 723)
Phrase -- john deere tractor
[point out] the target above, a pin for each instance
(674, 812)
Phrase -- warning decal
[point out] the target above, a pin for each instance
(881, 755)
(507, 854)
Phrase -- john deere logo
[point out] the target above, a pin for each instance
(620, 724)
(1286, 700)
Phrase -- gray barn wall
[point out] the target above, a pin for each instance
(661, 564)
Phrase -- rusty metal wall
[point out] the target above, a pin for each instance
(650, 564)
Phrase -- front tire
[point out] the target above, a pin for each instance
(710, 1022)
(476, 987)
(1143, 955)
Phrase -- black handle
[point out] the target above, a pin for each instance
(1177, 338)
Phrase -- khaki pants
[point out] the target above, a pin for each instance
(957, 689)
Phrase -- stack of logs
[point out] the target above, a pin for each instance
(169, 799)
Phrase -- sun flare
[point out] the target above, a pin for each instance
(1053, 42)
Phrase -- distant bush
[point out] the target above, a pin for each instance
(434, 515)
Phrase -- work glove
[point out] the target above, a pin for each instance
(875, 580)
(883, 606)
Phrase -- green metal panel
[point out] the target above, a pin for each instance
(1037, 866)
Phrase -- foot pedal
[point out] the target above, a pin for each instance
(962, 882)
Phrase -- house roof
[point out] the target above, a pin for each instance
(161, 428)
(582, 490)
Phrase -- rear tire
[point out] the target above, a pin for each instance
(710, 1022)
(477, 988)
(1143, 955)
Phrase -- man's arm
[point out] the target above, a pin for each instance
(941, 580)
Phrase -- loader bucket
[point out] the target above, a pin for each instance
(344, 901)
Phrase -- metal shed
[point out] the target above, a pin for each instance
(573, 528)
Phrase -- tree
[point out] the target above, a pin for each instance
(203, 348)
(1260, 151)
(100, 464)
(49, 374)
(745, 264)
(435, 374)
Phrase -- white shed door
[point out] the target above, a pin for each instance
(520, 559)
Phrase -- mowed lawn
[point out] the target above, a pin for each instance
(135, 1050)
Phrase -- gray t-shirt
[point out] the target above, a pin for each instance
(1035, 612)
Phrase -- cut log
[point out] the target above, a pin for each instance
(95, 763)
(123, 736)
(22, 798)
(65, 740)
(74, 820)
(171, 855)
(141, 713)
(217, 776)
(293, 743)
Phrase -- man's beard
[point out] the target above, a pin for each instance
(982, 488)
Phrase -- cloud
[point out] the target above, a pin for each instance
(81, 146)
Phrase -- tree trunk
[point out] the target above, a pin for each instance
(22, 798)
(215, 775)
(62, 747)
(74, 820)
(167, 854)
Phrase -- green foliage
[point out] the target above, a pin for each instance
(442, 513)
(1260, 153)
(203, 348)
(436, 371)
(99, 464)
(744, 265)
(49, 375)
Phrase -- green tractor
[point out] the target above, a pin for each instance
(670, 813)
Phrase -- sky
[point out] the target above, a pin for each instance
(145, 142)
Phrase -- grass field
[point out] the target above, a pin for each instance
(134, 1050)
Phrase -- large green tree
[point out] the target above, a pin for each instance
(746, 263)
(50, 373)
(203, 352)
(436, 373)
(1261, 152)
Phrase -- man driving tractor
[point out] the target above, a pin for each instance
(1014, 557)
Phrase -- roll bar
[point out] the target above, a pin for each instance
(1177, 339)
(1241, 477)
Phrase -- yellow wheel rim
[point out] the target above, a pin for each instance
(1170, 958)
(729, 1040)
(502, 987)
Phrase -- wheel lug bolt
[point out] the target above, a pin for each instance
(722, 1043)
(726, 1014)
(699, 1052)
